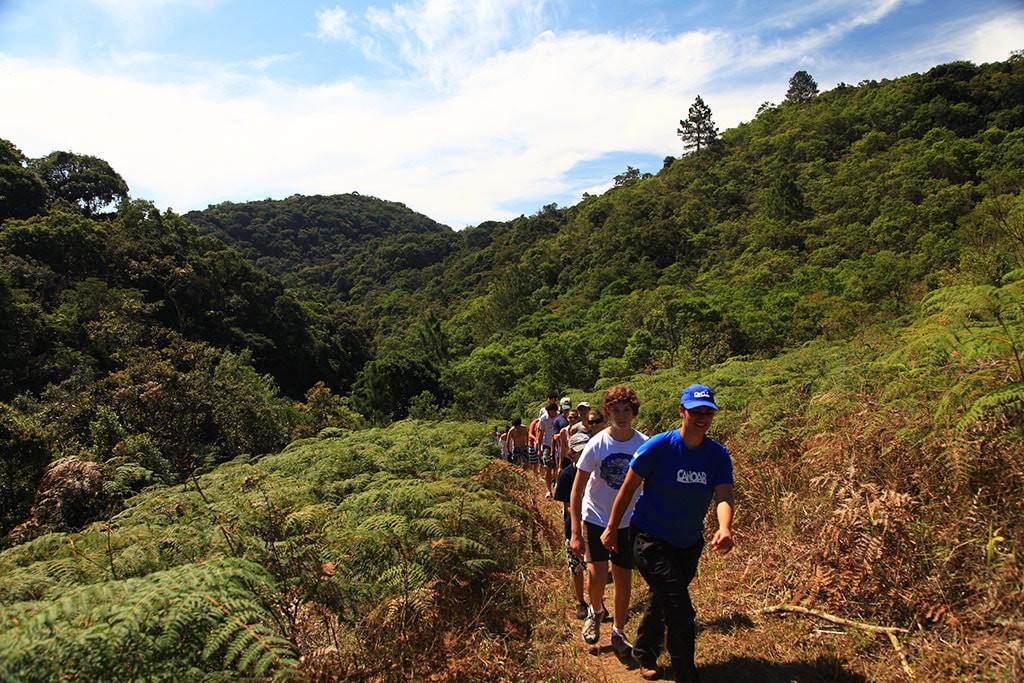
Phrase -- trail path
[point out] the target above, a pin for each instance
(736, 642)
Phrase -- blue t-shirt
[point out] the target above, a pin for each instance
(559, 423)
(679, 484)
(563, 490)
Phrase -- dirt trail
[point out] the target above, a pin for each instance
(735, 641)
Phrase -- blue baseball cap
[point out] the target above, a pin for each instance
(697, 395)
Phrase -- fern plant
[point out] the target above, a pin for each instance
(182, 624)
(983, 325)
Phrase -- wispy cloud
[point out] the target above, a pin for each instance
(986, 41)
(333, 24)
(136, 19)
(490, 107)
(443, 39)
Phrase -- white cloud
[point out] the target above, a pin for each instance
(442, 39)
(510, 127)
(496, 113)
(333, 24)
(991, 41)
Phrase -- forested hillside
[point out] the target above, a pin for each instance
(342, 246)
(847, 270)
(812, 220)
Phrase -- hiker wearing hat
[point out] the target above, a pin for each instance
(563, 491)
(681, 471)
(583, 410)
(562, 440)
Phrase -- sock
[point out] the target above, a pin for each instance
(615, 630)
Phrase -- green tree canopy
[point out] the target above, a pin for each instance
(22, 192)
(801, 88)
(86, 182)
(697, 130)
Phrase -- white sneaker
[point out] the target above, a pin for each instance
(592, 627)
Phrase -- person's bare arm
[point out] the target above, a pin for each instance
(722, 541)
(579, 486)
(609, 539)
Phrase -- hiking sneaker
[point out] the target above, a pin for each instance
(592, 627)
(582, 610)
(623, 648)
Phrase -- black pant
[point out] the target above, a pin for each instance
(669, 617)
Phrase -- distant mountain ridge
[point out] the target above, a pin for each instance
(328, 242)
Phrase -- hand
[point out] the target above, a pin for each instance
(610, 540)
(577, 546)
(722, 542)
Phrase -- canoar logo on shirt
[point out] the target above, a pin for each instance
(684, 477)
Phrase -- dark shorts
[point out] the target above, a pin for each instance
(519, 455)
(546, 458)
(531, 456)
(596, 552)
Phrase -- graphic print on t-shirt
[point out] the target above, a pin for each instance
(614, 468)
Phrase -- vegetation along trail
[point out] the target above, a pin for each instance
(252, 442)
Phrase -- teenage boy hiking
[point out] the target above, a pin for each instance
(681, 471)
(600, 472)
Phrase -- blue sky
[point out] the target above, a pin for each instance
(464, 111)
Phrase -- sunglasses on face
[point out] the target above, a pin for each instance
(596, 420)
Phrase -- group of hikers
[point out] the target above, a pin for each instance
(636, 502)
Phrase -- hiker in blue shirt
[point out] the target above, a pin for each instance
(681, 471)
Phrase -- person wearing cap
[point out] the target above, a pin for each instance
(564, 457)
(583, 410)
(600, 472)
(563, 491)
(594, 423)
(681, 471)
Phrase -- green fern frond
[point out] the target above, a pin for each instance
(462, 546)
(431, 528)
(404, 577)
(386, 524)
(480, 566)
(149, 627)
(1004, 401)
(308, 518)
(39, 580)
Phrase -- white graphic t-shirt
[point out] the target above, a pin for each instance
(607, 461)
